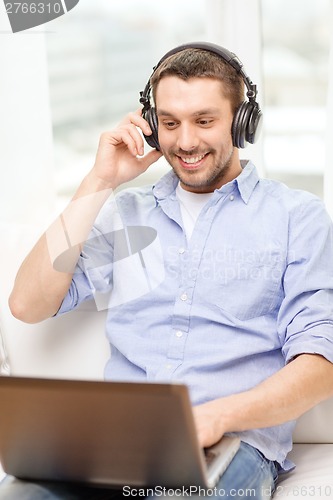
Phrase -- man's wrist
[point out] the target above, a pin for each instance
(94, 184)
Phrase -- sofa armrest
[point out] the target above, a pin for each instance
(315, 426)
(69, 346)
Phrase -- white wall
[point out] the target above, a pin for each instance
(26, 187)
(27, 194)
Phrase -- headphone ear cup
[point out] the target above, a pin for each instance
(238, 129)
(151, 117)
(246, 124)
(254, 124)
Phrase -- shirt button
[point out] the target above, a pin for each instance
(181, 250)
(231, 197)
(179, 334)
(183, 296)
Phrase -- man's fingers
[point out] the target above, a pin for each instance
(137, 120)
(133, 140)
(130, 136)
(150, 158)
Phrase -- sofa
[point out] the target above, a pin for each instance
(74, 346)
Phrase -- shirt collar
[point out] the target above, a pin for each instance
(246, 182)
(165, 186)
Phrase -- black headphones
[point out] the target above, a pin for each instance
(245, 126)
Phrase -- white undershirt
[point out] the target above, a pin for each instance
(191, 205)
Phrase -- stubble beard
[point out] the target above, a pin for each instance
(200, 181)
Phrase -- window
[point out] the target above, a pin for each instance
(295, 74)
(104, 52)
(101, 58)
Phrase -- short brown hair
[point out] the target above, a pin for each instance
(198, 63)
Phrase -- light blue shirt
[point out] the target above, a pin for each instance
(252, 289)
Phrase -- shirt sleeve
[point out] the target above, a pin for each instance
(92, 278)
(305, 320)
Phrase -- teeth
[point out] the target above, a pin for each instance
(193, 159)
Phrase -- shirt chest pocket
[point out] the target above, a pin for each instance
(248, 287)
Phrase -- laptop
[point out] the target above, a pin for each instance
(105, 433)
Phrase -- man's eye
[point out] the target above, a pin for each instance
(205, 122)
(170, 124)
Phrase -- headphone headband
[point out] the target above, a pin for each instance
(230, 58)
(225, 54)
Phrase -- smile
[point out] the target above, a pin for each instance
(192, 159)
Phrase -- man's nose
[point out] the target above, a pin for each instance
(187, 138)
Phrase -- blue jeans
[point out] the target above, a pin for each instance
(249, 475)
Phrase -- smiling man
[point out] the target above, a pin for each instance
(242, 312)
(197, 141)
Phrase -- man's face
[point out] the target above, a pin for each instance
(194, 131)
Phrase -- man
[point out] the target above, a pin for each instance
(240, 309)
